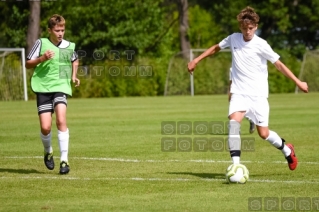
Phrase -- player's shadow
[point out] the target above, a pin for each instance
(201, 175)
(206, 175)
(20, 171)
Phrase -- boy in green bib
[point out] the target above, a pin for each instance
(55, 64)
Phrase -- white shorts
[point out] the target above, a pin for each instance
(257, 108)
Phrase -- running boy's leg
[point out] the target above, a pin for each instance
(45, 109)
(274, 139)
(45, 134)
(234, 141)
(236, 113)
(60, 107)
(261, 111)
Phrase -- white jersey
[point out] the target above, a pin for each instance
(249, 64)
(35, 51)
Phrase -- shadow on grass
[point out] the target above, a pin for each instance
(201, 175)
(20, 171)
(204, 175)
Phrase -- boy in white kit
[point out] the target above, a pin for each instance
(252, 125)
(249, 87)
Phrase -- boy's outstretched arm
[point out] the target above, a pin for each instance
(285, 71)
(212, 50)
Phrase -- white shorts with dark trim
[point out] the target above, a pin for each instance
(257, 108)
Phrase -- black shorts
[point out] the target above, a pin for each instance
(47, 101)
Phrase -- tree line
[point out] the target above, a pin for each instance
(155, 30)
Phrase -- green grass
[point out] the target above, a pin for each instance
(117, 162)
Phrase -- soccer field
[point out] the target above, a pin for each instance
(118, 162)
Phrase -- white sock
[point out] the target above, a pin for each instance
(277, 142)
(286, 151)
(63, 138)
(236, 160)
(46, 141)
(234, 141)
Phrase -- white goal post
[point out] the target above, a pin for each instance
(24, 73)
(191, 57)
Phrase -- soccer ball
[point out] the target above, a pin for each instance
(237, 173)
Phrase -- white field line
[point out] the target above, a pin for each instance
(156, 179)
(157, 161)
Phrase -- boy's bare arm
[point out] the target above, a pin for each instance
(75, 65)
(34, 62)
(285, 71)
(212, 50)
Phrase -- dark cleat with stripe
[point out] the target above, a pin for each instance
(48, 160)
(64, 167)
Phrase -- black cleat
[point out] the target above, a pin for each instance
(64, 167)
(48, 160)
(252, 127)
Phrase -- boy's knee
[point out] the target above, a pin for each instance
(263, 134)
(60, 124)
(45, 130)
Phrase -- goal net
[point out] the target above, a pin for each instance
(309, 71)
(13, 85)
(211, 75)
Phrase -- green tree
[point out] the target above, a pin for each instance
(203, 31)
(100, 24)
(285, 24)
(111, 24)
(14, 16)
